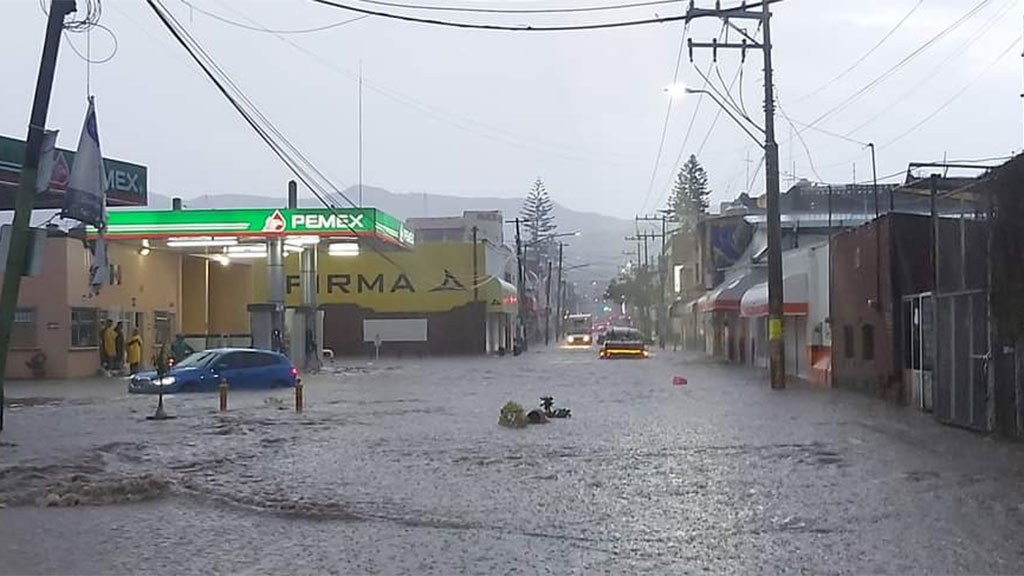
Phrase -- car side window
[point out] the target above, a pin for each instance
(232, 361)
(260, 359)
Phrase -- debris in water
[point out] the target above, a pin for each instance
(536, 417)
(678, 381)
(547, 403)
(512, 416)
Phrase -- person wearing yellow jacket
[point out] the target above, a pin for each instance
(108, 346)
(133, 349)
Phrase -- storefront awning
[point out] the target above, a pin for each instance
(794, 292)
(727, 297)
(501, 296)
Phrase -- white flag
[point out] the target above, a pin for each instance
(46, 157)
(99, 272)
(85, 197)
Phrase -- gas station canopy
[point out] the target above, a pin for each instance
(254, 223)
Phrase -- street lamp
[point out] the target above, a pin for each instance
(549, 237)
(776, 343)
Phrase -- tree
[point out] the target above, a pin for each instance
(690, 194)
(537, 212)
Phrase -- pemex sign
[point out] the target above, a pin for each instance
(126, 183)
(257, 222)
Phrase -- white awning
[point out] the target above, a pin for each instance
(727, 297)
(794, 293)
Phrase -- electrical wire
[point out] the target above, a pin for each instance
(864, 57)
(500, 27)
(800, 137)
(668, 115)
(256, 120)
(937, 71)
(519, 10)
(901, 63)
(466, 124)
(263, 126)
(87, 57)
(955, 96)
(235, 23)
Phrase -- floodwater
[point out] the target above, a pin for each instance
(400, 467)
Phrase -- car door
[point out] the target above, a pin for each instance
(233, 367)
(261, 369)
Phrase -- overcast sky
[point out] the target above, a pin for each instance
(481, 113)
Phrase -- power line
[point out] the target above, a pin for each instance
(235, 23)
(500, 27)
(466, 124)
(668, 115)
(957, 51)
(903, 62)
(955, 96)
(259, 123)
(519, 10)
(864, 57)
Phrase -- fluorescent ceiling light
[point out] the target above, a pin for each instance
(200, 241)
(302, 240)
(343, 249)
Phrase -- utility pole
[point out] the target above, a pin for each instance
(874, 181)
(476, 274)
(558, 297)
(25, 196)
(776, 343)
(521, 288)
(660, 317)
(547, 308)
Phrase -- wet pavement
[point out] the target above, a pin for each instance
(400, 467)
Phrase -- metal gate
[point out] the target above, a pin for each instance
(918, 321)
(961, 359)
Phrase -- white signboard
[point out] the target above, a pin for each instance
(395, 330)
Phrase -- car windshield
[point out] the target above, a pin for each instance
(624, 335)
(197, 360)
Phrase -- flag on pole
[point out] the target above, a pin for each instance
(46, 157)
(84, 199)
(99, 271)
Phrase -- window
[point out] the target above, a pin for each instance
(163, 326)
(85, 327)
(23, 333)
(848, 344)
(259, 359)
(867, 338)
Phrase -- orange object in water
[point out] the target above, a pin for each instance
(679, 381)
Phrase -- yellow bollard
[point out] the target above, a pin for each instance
(223, 388)
(298, 394)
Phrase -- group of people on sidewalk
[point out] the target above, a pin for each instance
(115, 351)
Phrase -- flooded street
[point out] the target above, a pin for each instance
(400, 467)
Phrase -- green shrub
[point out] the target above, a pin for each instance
(512, 416)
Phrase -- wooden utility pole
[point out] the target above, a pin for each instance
(547, 307)
(558, 298)
(25, 196)
(660, 317)
(776, 343)
(521, 288)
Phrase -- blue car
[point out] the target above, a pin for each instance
(203, 371)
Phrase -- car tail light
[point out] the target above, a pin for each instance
(295, 371)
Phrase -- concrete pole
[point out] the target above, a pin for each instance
(24, 198)
(776, 341)
(275, 281)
